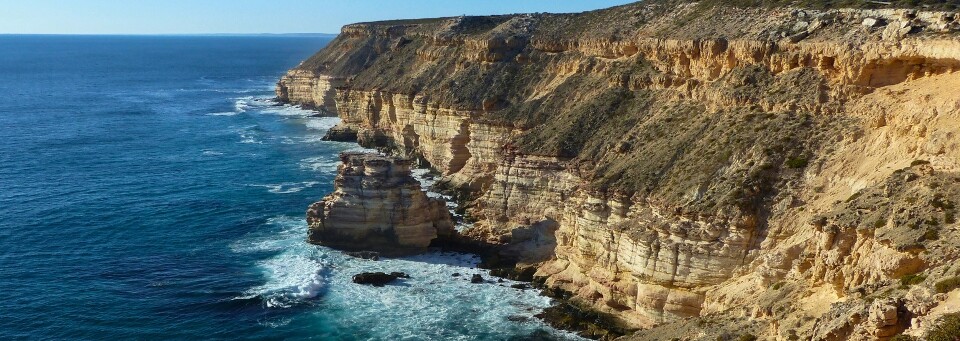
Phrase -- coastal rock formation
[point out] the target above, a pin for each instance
(378, 279)
(377, 206)
(779, 171)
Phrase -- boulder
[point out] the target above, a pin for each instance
(872, 22)
(377, 279)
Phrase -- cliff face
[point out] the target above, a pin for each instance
(377, 206)
(698, 162)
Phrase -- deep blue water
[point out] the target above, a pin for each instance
(149, 189)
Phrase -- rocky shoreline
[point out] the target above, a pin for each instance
(377, 208)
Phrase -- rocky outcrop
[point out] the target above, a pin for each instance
(377, 206)
(378, 279)
(676, 163)
(310, 89)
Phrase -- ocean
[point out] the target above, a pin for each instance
(151, 189)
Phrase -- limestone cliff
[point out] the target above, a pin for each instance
(377, 206)
(696, 163)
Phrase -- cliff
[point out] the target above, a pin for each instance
(377, 206)
(693, 163)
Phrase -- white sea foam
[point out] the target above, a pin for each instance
(271, 107)
(225, 113)
(241, 105)
(249, 137)
(277, 233)
(290, 278)
(320, 164)
(250, 134)
(211, 152)
(312, 139)
(322, 123)
(432, 304)
(287, 187)
(427, 181)
(294, 275)
(224, 90)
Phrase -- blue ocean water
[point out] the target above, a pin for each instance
(150, 189)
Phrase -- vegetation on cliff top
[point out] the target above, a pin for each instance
(829, 4)
(627, 140)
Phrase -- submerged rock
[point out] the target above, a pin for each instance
(400, 274)
(364, 255)
(378, 206)
(476, 279)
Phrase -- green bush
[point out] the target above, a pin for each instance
(912, 279)
(947, 285)
(903, 337)
(947, 330)
(854, 196)
(797, 162)
(931, 235)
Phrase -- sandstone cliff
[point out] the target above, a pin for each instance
(377, 206)
(778, 171)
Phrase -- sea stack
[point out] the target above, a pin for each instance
(378, 206)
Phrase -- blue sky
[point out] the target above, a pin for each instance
(247, 16)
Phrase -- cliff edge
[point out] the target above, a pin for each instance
(784, 172)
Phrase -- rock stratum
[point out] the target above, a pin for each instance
(377, 206)
(698, 170)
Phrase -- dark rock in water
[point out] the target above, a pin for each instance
(456, 274)
(341, 134)
(377, 279)
(585, 321)
(537, 335)
(521, 286)
(364, 255)
(518, 318)
(499, 280)
(400, 275)
(476, 279)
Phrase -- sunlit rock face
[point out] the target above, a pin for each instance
(696, 164)
(377, 206)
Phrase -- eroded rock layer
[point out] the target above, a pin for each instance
(684, 163)
(377, 206)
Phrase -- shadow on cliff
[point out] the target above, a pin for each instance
(515, 258)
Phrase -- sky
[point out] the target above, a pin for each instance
(247, 16)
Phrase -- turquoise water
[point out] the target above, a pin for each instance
(149, 189)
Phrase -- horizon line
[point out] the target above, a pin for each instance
(170, 34)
